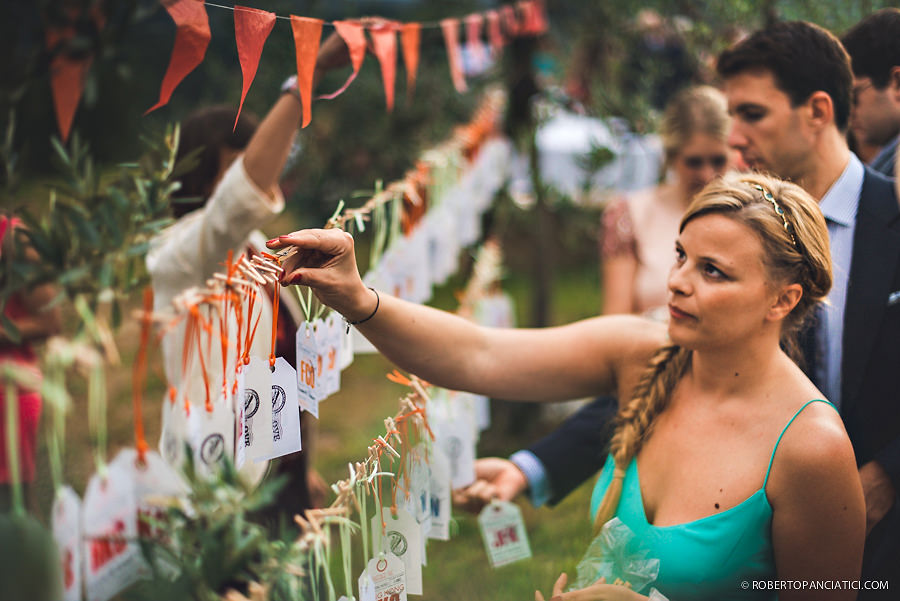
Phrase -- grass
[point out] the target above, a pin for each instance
(458, 569)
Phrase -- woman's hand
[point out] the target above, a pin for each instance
(325, 261)
(599, 591)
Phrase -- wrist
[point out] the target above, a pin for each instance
(364, 307)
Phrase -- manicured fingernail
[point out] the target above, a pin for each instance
(272, 241)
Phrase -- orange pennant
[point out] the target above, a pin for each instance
(535, 21)
(354, 36)
(251, 29)
(306, 41)
(191, 40)
(539, 14)
(67, 76)
(473, 38)
(510, 20)
(410, 36)
(450, 28)
(494, 34)
(384, 44)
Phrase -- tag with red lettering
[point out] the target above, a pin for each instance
(212, 436)
(307, 369)
(66, 517)
(157, 488)
(402, 537)
(440, 495)
(109, 519)
(387, 574)
(334, 330)
(174, 433)
(257, 409)
(503, 532)
(285, 427)
(240, 423)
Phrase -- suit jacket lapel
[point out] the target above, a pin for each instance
(876, 251)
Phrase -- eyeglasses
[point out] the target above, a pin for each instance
(716, 161)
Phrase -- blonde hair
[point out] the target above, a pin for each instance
(695, 110)
(795, 250)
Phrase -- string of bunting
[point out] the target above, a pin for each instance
(252, 28)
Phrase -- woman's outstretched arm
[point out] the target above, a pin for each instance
(576, 360)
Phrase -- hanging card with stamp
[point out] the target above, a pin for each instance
(257, 438)
(503, 533)
(174, 433)
(402, 537)
(285, 428)
(440, 495)
(307, 368)
(240, 423)
(387, 578)
(212, 436)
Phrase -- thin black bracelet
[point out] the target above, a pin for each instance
(377, 304)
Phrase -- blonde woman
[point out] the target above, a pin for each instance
(638, 230)
(724, 462)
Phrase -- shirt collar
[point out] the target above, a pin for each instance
(840, 203)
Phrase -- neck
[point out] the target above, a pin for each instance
(729, 372)
(826, 163)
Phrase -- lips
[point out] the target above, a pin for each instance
(676, 313)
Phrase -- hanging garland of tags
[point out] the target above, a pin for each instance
(236, 405)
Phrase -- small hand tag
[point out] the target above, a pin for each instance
(503, 532)
(307, 368)
(257, 409)
(285, 410)
(66, 517)
(402, 538)
(440, 495)
(387, 574)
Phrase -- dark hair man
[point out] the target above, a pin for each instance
(874, 48)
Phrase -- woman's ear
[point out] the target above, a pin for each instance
(785, 302)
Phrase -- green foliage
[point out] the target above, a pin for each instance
(212, 544)
(29, 561)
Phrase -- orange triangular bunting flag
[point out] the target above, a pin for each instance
(384, 44)
(450, 28)
(307, 33)
(410, 36)
(66, 80)
(510, 20)
(251, 29)
(494, 34)
(191, 39)
(473, 38)
(354, 36)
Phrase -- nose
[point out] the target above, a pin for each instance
(707, 173)
(679, 283)
(736, 138)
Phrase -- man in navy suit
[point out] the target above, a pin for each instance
(789, 92)
(874, 48)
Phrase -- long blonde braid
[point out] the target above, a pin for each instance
(635, 420)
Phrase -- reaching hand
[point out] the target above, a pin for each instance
(495, 478)
(324, 260)
(599, 591)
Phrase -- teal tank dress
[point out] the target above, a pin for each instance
(709, 558)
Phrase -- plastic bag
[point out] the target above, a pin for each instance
(615, 554)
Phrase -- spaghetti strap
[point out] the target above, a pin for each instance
(772, 458)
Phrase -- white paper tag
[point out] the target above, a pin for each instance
(402, 537)
(307, 368)
(110, 520)
(257, 438)
(418, 503)
(66, 518)
(455, 437)
(157, 487)
(240, 423)
(440, 495)
(503, 533)
(388, 578)
(334, 331)
(367, 586)
(285, 428)
(174, 433)
(345, 356)
(212, 436)
(326, 362)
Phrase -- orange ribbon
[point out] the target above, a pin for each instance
(138, 374)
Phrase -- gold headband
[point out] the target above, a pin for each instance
(768, 196)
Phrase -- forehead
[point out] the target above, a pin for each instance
(754, 87)
(728, 241)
